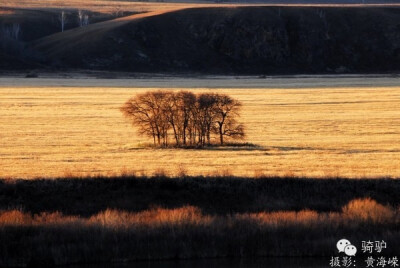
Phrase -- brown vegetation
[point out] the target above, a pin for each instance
(185, 232)
(79, 220)
(356, 211)
(191, 118)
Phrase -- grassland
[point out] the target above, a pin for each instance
(117, 200)
(312, 132)
(47, 222)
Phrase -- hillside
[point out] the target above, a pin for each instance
(238, 40)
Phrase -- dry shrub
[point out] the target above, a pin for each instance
(226, 172)
(127, 173)
(110, 218)
(289, 174)
(258, 173)
(19, 218)
(368, 209)
(222, 172)
(282, 218)
(183, 215)
(160, 172)
(151, 218)
(68, 174)
(14, 217)
(54, 218)
(181, 172)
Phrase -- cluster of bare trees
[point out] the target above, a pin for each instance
(11, 31)
(10, 35)
(82, 18)
(118, 11)
(186, 118)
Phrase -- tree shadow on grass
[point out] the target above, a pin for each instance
(293, 148)
(234, 146)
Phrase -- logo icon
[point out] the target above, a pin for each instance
(350, 250)
(344, 245)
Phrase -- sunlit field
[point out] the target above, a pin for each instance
(317, 132)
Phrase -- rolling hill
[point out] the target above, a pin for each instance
(232, 40)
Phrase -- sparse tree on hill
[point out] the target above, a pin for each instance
(62, 18)
(83, 19)
(80, 18)
(86, 20)
(15, 31)
(118, 12)
(12, 31)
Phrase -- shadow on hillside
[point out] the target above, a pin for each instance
(214, 195)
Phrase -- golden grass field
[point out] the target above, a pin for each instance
(316, 132)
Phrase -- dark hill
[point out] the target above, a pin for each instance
(243, 40)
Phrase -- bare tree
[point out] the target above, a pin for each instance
(142, 116)
(147, 113)
(83, 19)
(118, 12)
(62, 18)
(9, 39)
(322, 15)
(11, 31)
(15, 31)
(80, 18)
(172, 114)
(226, 110)
(205, 113)
(185, 101)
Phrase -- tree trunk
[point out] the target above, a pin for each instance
(175, 134)
(221, 135)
